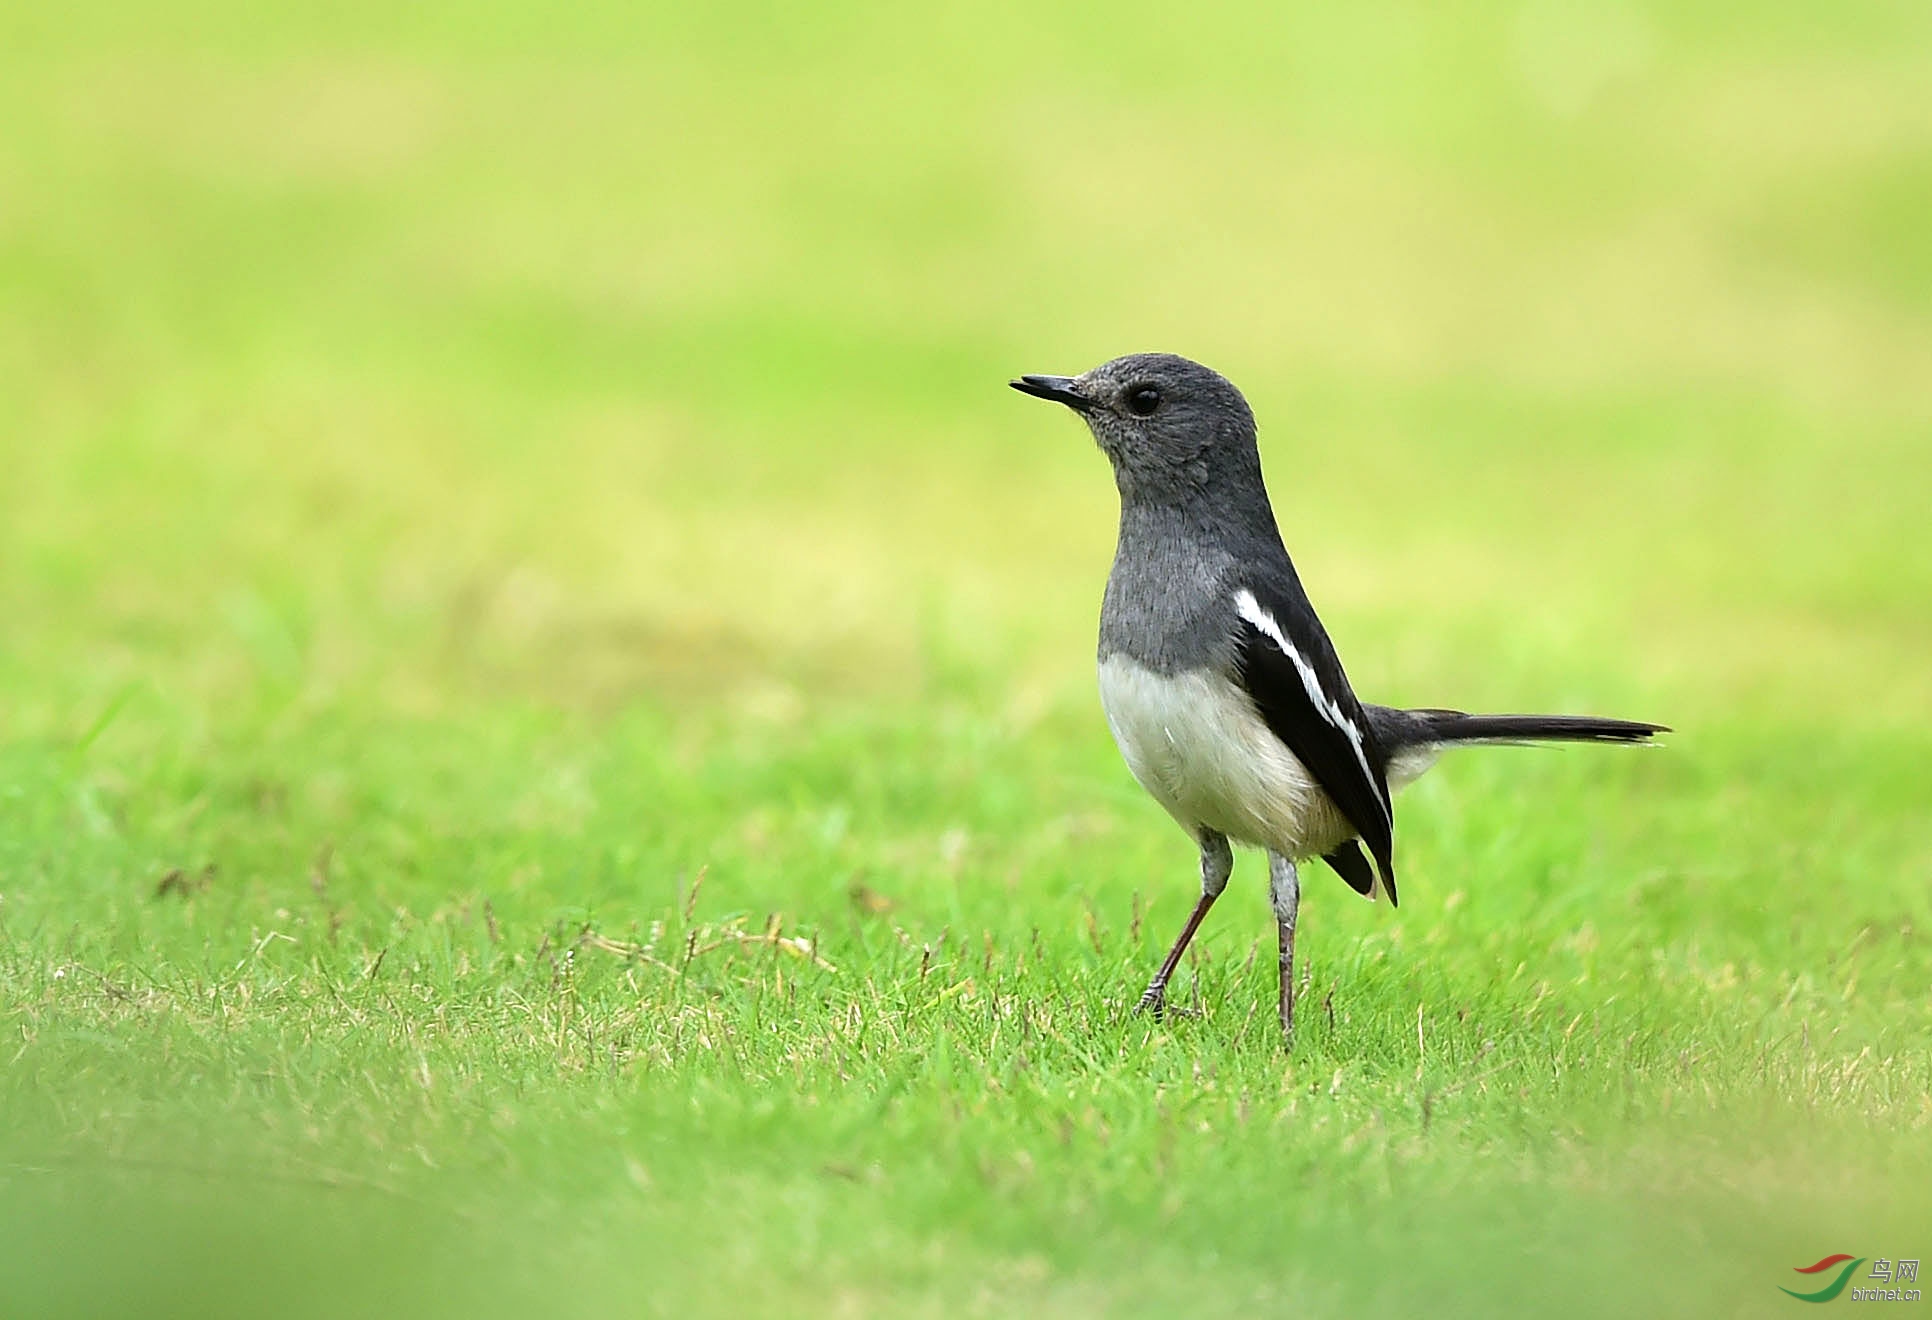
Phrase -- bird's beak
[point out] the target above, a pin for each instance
(1060, 389)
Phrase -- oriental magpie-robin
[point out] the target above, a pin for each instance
(1218, 680)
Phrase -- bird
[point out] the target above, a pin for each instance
(1222, 689)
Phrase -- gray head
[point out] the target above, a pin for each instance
(1176, 432)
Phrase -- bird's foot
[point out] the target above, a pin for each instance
(1154, 1002)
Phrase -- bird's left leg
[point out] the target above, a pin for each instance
(1217, 862)
(1284, 895)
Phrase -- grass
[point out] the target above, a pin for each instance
(548, 755)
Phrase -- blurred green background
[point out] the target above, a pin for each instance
(547, 745)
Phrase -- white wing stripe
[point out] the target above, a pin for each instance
(1251, 610)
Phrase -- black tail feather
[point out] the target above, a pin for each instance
(1348, 862)
(1454, 726)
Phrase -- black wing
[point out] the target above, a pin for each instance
(1290, 670)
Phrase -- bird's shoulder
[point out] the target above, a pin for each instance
(1268, 603)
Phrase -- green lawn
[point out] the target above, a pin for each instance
(548, 754)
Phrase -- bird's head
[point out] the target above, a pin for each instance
(1173, 428)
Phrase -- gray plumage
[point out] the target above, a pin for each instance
(1220, 685)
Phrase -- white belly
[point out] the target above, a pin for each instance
(1197, 744)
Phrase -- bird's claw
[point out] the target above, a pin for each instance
(1155, 1002)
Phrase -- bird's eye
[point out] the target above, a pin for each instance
(1143, 399)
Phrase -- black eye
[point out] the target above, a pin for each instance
(1143, 399)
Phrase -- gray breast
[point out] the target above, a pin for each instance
(1167, 605)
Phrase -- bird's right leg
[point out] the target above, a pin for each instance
(1284, 894)
(1217, 861)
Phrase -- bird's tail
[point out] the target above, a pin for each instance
(1454, 726)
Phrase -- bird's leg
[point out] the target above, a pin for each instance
(1284, 894)
(1217, 860)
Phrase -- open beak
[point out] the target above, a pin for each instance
(1060, 389)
